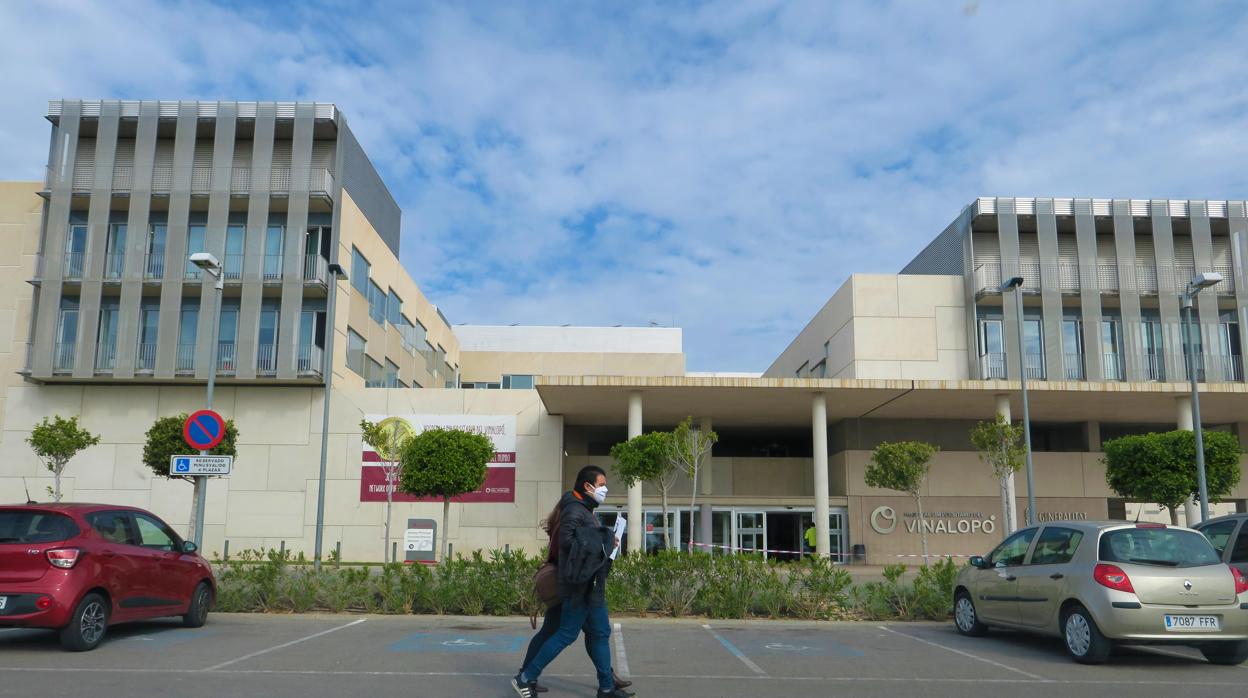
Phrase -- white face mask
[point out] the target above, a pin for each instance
(600, 494)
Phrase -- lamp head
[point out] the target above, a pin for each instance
(206, 261)
(1012, 282)
(1205, 279)
(337, 270)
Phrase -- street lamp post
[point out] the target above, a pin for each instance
(1198, 283)
(336, 274)
(1016, 283)
(209, 264)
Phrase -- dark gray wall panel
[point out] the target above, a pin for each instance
(55, 226)
(97, 224)
(257, 223)
(944, 254)
(296, 225)
(1128, 290)
(366, 188)
(218, 219)
(1089, 291)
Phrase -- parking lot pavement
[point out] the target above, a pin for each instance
(332, 655)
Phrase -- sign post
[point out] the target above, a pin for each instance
(202, 430)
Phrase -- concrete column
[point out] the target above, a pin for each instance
(636, 531)
(1009, 497)
(705, 488)
(1183, 418)
(819, 434)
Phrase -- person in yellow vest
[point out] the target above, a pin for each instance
(812, 538)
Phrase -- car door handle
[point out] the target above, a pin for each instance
(1057, 575)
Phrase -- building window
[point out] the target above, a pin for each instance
(1232, 368)
(991, 349)
(115, 252)
(374, 375)
(227, 338)
(154, 266)
(355, 351)
(75, 251)
(1154, 352)
(518, 382)
(188, 330)
(1111, 349)
(266, 349)
(194, 243)
(235, 244)
(394, 313)
(66, 335)
(1033, 348)
(106, 338)
(820, 370)
(392, 374)
(1072, 348)
(803, 370)
(359, 271)
(149, 326)
(376, 304)
(273, 252)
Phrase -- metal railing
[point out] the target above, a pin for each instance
(233, 266)
(193, 272)
(186, 358)
(145, 357)
(1113, 368)
(320, 180)
(315, 268)
(1154, 366)
(74, 263)
(266, 358)
(154, 266)
(272, 267)
(105, 357)
(63, 359)
(201, 178)
(1034, 364)
(992, 366)
(1105, 277)
(1217, 368)
(114, 265)
(310, 358)
(226, 357)
(1074, 367)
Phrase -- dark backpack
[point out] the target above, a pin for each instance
(586, 555)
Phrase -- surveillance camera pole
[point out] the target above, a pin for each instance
(1202, 483)
(201, 482)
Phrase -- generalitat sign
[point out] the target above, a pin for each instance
(500, 474)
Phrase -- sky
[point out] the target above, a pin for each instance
(719, 166)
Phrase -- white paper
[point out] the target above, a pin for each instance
(621, 524)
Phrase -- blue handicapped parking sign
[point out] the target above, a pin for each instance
(182, 465)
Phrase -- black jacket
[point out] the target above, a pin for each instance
(578, 513)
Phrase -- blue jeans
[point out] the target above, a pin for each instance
(575, 615)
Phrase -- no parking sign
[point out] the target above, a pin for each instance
(203, 430)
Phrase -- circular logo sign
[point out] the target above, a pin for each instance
(883, 520)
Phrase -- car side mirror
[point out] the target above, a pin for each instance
(977, 561)
(188, 547)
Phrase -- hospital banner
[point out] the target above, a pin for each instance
(500, 474)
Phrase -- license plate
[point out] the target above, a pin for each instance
(4, 601)
(1180, 624)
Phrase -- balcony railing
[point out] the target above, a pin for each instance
(1104, 277)
(233, 266)
(154, 266)
(314, 268)
(1034, 363)
(1218, 368)
(1112, 364)
(1074, 367)
(272, 267)
(114, 265)
(266, 358)
(186, 358)
(226, 357)
(145, 357)
(193, 272)
(105, 357)
(992, 366)
(74, 263)
(320, 181)
(63, 359)
(310, 358)
(1154, 366)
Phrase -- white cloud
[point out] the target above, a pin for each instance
(743, 157)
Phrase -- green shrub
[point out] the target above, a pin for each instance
(775, 590)
(822, 590)
(629, 585)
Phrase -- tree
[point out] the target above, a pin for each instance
(689, 446)
(647, 458)
(1000, 445)
(1161, 467)
(56, 443)
(386, 439)
(444, 463)
(903, 466)
(165, 440)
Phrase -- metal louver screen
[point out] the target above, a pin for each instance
(84, 164)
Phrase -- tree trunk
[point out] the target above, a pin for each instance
(693, 499)
(1174, 514)
(56, 484)
(918, 500)
(389, 471)
(1011, 496)
(667, 539)
(446, 517)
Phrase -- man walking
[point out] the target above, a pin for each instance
(583, 561)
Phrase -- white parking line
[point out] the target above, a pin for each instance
(968, 655)
(621, 657)
(735, 651)
(283, 645)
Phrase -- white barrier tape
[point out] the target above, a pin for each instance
(936, 556)
(765, 550)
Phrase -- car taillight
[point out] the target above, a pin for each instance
(64, 558)
(1241, 582)
(43, 603)
(1113, 577)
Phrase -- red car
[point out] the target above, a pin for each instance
(79, 568)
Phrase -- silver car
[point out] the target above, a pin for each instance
(1096, 584)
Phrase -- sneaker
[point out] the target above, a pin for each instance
(524, 690)
(539, 687)
(616, 692)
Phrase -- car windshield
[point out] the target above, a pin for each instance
(1166, 547)
(35, 527)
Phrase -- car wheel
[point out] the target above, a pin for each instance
(87, 625)
(1084, 641)
(1226, 653)
(197, 614)
(965, 619)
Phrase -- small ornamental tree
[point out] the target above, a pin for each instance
(444, 463)
(164, 441)
(1161, 467)
(1000, 445)
(689, 447)
(903, 466)
(386, 439)
(56, 443)
(647, 458)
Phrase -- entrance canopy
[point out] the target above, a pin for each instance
(603, 400)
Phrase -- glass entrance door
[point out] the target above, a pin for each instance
(751, 534)
(838, 534)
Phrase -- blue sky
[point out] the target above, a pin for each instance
(720, 166)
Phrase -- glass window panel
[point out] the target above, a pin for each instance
(359, 271)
